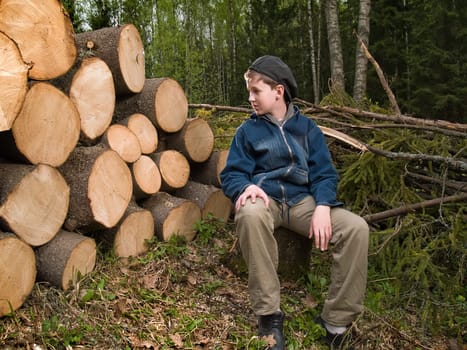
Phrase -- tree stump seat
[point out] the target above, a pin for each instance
(294, 253)
(294, 256)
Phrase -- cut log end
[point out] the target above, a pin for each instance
(131, 56)
(133, 234)
(173, 215)
(17, 273)
(47, 115)
(47, 41)
(195, 140)
(123, 141)
(199, 140)
(174, 169)
(37, 207)
(65, 259)
(93, 92)
(181, 221)
(145, 131)
(171, 105)
(13, 80)
(82, 260)
(146, 177)
(218, 206)
(210, 199)
(110, 188)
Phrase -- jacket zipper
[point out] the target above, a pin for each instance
(288, 148)
(291, 159)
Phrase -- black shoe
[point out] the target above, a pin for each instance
(270, 326)
(336, 341)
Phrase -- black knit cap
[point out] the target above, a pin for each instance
(277, 70)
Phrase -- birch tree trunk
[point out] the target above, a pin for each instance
(312, 53)
(335, 45)
(361, 61)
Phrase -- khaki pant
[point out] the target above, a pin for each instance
(255, 226)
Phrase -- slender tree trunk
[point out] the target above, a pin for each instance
(335, 45)
(312, 53)
(361, 61)
(318, 54)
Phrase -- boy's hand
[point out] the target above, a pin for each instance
(252, 192)
(320, 226)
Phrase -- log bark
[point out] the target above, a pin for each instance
(146, 177)
(123, 141)
(90, 86)
(65, 259)
(48, 126)
(44, 34)
(210, 199)
(129, 237)
(17, 272)
(195, 140)
(13, 82)
(294, 253)
(173, 215)
(208, 172)
(144, 130)
(100, 188)
(174, 169)
(162, 100)
(122, 49)
(33, 201)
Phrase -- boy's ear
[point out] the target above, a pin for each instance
(280, 90)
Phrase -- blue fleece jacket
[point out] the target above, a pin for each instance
(288, 160)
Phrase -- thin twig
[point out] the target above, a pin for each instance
(387, 240)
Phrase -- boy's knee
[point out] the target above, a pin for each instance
(361, 229)
(252, 211)
(362, 226)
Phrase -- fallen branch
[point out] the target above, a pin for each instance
(459, 186)
(414, 207)
(327, 131)
(344, 138)
(451, 162)
(382, 79)
(343, 111)
(220, 108)
(402, 118)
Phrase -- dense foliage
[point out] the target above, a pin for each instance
(421, 45)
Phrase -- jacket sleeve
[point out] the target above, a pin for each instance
(237, 174)
(323, 176)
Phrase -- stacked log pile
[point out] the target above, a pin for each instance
(90, 149)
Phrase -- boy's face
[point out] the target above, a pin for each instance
(262, 97)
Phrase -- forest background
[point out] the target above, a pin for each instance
(417, 289)
(206, 46)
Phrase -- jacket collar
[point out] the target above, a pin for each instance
(291, 110)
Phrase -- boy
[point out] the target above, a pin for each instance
(279, 173)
